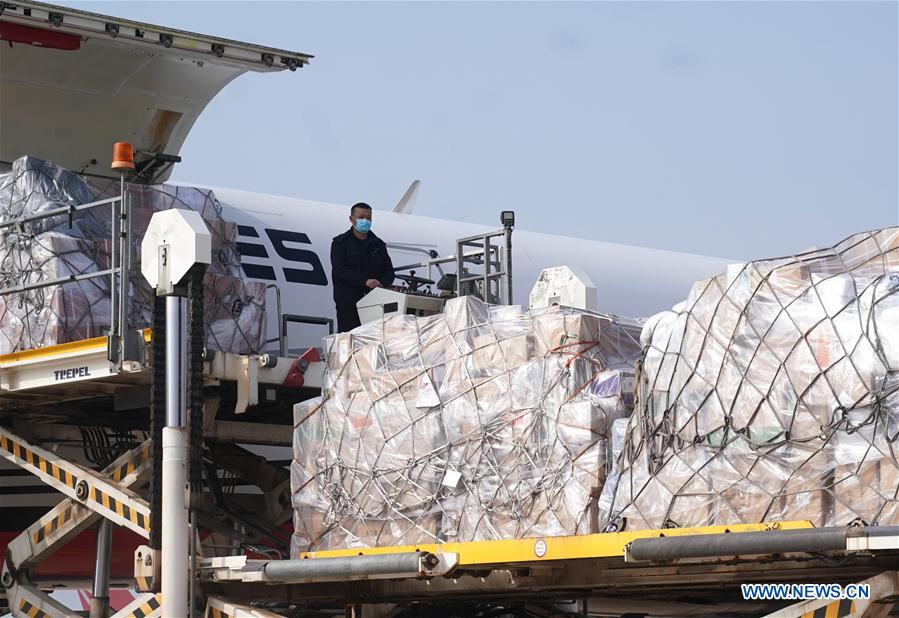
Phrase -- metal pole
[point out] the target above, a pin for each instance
(742, 543)
(113, 309)
(460, 265)
(485, 280)
(192, 514)
(100, 595)
(508, 269)
(175, 529)
(182, 366)
(175, 361)
(350, 566)
(125, 273)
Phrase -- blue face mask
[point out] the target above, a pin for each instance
(363, 226)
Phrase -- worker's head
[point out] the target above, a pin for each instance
(360, 217)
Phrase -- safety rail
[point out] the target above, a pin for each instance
(494, 284)
(287, 318)
(292, 318)
(123, 344)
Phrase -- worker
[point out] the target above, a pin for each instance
(359, 263)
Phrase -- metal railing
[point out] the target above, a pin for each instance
(123, 343)
(494, 283)
(492, 251)
(287, 318)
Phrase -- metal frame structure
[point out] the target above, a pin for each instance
(90, 497)
(28, 380)
(595, 568)
(494, 284)
(109, 499)
(48, 383)
(495, 281)
(123, 345)
(32, 373)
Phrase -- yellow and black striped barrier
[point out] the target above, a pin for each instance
(27, 455)
(143, 584)
(121, 509)
(81, 485)
(32, 611)
(837, 609)
(53, 525)
(130, 466)
(68, 514)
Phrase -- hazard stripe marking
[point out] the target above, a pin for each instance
(146, 608)
(36, 461)
(121, 509)
(53, 525)
(847, 607)
(32, 610)
(110, 503)
(837, 609)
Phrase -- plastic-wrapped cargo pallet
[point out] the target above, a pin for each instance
(52, 248)
(484, 422)
(772, 393)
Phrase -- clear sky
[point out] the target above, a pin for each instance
(739, 129)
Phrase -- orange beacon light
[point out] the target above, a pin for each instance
(122, 156)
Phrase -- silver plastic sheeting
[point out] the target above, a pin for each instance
(771, 393)
(57, 247)
(485, 422)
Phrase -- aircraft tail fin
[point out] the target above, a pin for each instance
(407, 203)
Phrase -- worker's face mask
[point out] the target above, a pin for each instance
(363, 226)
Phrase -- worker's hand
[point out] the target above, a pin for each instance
(373, 283)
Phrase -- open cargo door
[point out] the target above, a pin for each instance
(73, 82)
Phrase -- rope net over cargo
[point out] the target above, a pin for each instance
(57, 247)
(771, 393)
(484, 422)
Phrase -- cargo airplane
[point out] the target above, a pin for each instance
(72, 83)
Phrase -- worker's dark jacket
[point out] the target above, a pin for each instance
(354, 261)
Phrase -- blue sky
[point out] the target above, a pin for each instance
(739, 129)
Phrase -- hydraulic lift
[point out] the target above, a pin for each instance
(106, 377)
(612, 573)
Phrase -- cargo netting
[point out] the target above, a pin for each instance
(484, 422)
(60, 246)
(771, 393)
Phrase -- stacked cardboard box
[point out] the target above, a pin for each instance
(771, 393)
(484, 422)
(56, 247)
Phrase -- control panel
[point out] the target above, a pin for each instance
(385, 302)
